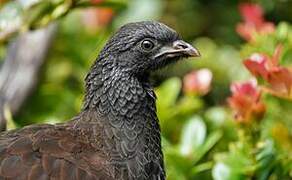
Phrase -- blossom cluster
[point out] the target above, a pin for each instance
(276, 79)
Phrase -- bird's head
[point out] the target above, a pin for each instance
(144, 46)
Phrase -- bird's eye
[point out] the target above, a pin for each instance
(147, 44)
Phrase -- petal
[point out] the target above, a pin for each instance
(198, 82)
(246, 31)
(257, 65)
(281, 80)
(251, 13)
(245, 101)
(266, 28)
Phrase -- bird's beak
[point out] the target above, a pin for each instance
(178, 48)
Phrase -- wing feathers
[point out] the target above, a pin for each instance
(50, 153)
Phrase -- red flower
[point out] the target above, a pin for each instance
(268, 68)
(257, 64)
(97, 17)
(198, 82)
(254, 22)
(245, 102)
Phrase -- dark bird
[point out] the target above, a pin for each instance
(117, 133)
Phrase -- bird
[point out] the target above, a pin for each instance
(116, 134)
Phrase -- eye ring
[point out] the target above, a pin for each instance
(147, 44)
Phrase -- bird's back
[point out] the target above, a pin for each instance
(50, 152)
(84, 148)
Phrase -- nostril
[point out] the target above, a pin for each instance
(180, 45)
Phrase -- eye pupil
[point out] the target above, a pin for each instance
(147, 44)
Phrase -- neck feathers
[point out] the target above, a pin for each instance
(125, 106)
(112, 90)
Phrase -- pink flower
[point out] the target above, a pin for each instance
(245, 102)
(198, 82)
(253, 22)
(268, 68)
(251, 13)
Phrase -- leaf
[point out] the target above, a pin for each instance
(189, 104)
(37, 13)
(174, 159)
(287, 57)
(114, 4)
(201, 167)
(10, 19)
(210, 142)
(217, 115)
(8, 117)
(193, 135)
(168, 92)
(266, 160)
(221, 172)
(282, 31)
(238, 160)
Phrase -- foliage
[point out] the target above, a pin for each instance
(210, 131)
(25, 15)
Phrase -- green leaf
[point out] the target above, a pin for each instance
(210, 142)
(189, 104)
(266, 160)
(173, 159)
(239, 161)
(10, 19)
(221, 172)
(201, 167)
(36, 13)
(287, 57)
(217, 115)
(282, 31)
(8, 117)
(168, 92)
(114, 4)
(193, 135)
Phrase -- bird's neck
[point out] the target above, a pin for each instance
(125, 106)
(112, 91)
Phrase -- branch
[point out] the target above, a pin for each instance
(19, 72)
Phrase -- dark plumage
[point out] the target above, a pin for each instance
(117, 134)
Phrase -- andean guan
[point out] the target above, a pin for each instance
(117, 133)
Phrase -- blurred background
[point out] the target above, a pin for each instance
(226, 115)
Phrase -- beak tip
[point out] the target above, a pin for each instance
(187, 48)
(194, 52)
